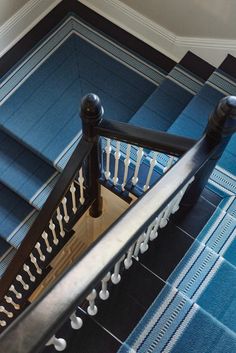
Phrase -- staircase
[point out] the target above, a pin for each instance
(182, 263)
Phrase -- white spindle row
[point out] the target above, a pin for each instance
(43, 247)
(113, 149)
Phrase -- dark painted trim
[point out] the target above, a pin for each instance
(48, 23)
(122, 37)
(197, 66)
(228, 66)
(32, 38)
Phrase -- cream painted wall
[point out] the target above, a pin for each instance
(191, 18)
(8, 8)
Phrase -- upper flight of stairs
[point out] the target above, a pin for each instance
(40, 122)
(40, 127)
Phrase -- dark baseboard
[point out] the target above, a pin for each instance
(49, 22)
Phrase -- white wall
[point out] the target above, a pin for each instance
(8, 8)
(17, 17)
(206, 27)
(191, 18)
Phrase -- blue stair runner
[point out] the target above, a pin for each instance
(40, 124)
(40, 127)
(195, 312)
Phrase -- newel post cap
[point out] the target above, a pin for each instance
(222, 122)
(91, 107)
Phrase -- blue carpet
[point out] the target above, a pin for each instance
(39, 115)
(196, 310)
(43, 113)
(174, 323)
(40, 126)
(166, 103)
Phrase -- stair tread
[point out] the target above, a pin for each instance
(210, 281)
(193, 119)
(13, 212)
(174, 93)
(22, 171)
(176, 323)
(49, 120)
(6, 258)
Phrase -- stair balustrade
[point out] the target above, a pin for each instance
(103, 263)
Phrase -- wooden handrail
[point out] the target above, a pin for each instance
(159, 141)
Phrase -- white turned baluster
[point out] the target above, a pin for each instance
(64, 205)
(59, 218)
(13, 290)
(139, 158)
(45, 238)
(116, 277)
(153, 162)
(4, 311)
(165, 216)
(108, 153)
(117, 158)
(81, 186)
(38, 247)
(72, 191)
(144, 244)
(169, 164)
(104, 294)
(92, 308)
(52, 228)
(58, 343)
(137, 246)
(22, 282)
(3, 323)
(128, 261)
(154, 232)
(34, 262)
(9, 300)
(75, 322)
(27, 270)
(126, 163)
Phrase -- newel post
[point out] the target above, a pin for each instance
(91, 113)
(221, 126)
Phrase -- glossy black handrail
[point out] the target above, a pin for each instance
(75, 162)
(160, 141)
(42, 319)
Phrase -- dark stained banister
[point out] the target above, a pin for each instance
(79, 155)
(42, 319)
(160, 141)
